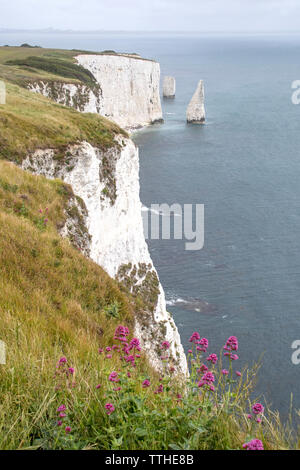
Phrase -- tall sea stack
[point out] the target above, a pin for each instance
(195, 112)
(169, 87)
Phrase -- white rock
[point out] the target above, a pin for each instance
(169, 87)
(130, 88)
(195, 110)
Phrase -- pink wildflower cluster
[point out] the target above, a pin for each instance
(207, 379)
(61, 414)
(231, 345)
(44, 218)
(255, 444)
(64, 374)
(201, 343)
(113, 377)
(109, 408)
(257, 410)
(213, 358)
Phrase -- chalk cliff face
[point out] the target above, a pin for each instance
(77, 96)
(195, 111)
(108, 183)
(130, 88)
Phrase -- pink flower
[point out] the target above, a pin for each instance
(165, 345)
(98, 386)
(258, 420)
(238, 373)
(232, 344)
(61, 408)
(110, 408)
(255, 444)
(108, 348)
(204, 343)
(160, 389)
(113, 377)
(67, 429)
(121, 332)
(257, 408)
(135, 344)
(71, 370)
(117, 389)
(62, 415)
(202, 369)
(213, 358)
(108, 356)
(59, 423)
(100, 350)
(195, 337)
(146, 383)
(249, 416)
(234, 357)
(207, 379)
(130, 358)
(62, 360)
(225, 372)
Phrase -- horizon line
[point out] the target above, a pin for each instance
(105, 31)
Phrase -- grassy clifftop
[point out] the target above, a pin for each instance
(29, 121)
(24, 65)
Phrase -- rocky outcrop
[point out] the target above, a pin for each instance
(108, 184)
(78, 96)
(130, 88)
(169, 87)
(195, 111)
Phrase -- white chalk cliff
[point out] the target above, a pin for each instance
(114, 223)
(126, 92)
(195, 111)
(169, 87)
(130, 88)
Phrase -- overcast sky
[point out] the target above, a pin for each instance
(152, 15)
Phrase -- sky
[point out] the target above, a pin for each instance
(153, 15)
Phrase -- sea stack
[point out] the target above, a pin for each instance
(195, 112)
(169, 87)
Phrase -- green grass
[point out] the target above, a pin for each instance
(58, 67)
(29, 121)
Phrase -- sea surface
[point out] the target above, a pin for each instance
(244, 166)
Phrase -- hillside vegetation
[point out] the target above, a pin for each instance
(29, 121)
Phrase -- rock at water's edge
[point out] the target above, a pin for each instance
(169, 87)
(195, 112)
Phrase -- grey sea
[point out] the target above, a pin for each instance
(244, 166)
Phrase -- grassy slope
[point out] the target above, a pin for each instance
(29, 121)
(51, 297)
